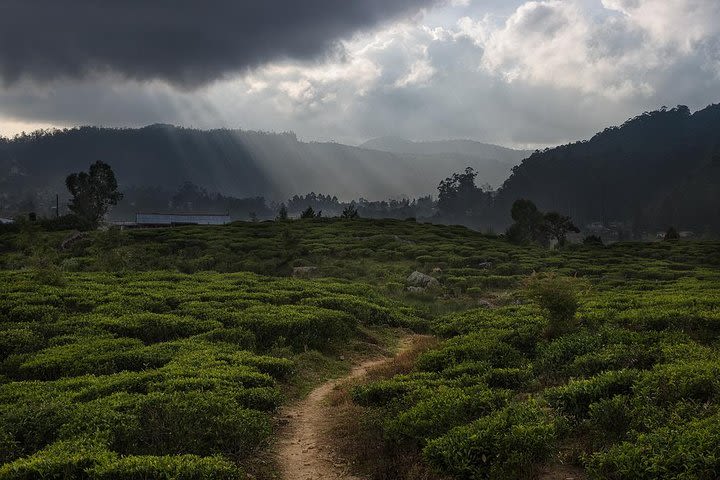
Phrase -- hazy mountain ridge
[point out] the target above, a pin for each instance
(239, 163)
(437, 147)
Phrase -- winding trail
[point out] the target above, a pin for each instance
(303, 452)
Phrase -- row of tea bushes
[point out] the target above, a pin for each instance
(158, 374)
(631, 392)
(382, 252)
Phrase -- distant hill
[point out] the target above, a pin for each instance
(658, 169)
(242, 163)
(459, 147)
(492, 162)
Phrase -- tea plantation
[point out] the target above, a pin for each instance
(165, 353)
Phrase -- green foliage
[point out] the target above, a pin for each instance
(130, 375)
(677, 451)
(177, 467)
(528, 226)
(558, 226)
(65, 459)
(577, 396)
(141, 366)
(350, 213)
(671, 234)
(93, 192)
(503, 445)
(309, 213)
(557, 297)
(593, 240)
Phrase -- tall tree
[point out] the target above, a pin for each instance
(282, 212)
(308, 213)
(350, 212)
(460, 200)
(529, 224)
(558, 226)
(93, 192)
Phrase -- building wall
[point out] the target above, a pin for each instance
(169, 219)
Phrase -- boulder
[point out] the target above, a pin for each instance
(418, 279)
(303, 272)
(415, 289)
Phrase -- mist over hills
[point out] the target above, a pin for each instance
(658, 169)
(460, 147)
(243, 163)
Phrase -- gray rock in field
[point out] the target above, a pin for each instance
(418, 279)
(415, 289)
(402, 240)
(485, 265)
(72, 239)
(303, 272)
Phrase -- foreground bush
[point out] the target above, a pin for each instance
(503, 445)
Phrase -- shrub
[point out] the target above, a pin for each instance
(92, 355)
(503, 445)
(153, 327)
(557, 296)
(444, 408)
(671, 234)
(18, 340)
(238, 336)
(65, 459)
(201, 423)
(300, 327)
(593, 240)
(675, 452)
(670, 383)
(180, 467)
(576, 397)
(610, 419)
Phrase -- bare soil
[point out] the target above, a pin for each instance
(305, 451)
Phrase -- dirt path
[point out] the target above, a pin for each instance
(302, 452)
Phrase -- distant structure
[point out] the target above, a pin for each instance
(163, 219)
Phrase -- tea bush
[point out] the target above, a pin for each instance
(503, 445)
(155, 353)
(139, 375)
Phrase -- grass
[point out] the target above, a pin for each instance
(167, 352)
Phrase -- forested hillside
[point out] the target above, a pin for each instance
(657, 169)
(232, 162)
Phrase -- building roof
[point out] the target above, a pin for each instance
(186, 214)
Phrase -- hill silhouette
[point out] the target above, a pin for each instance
(657, 169)
(233, 162)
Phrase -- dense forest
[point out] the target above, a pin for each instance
(657, 169)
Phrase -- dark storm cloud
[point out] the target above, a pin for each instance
(185, 42)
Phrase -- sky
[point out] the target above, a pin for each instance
(511, 72)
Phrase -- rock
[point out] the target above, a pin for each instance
(415, 289)
(401, 240)
(71, 239)
(418, 279)
(485, 265)
(303, 272)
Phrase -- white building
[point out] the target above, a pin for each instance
(149, 219)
